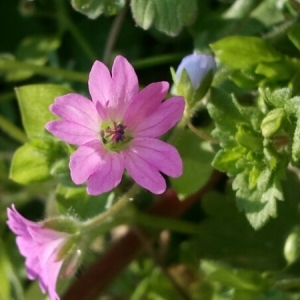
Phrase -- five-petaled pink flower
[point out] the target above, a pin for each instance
(118, 130)
(40, 247)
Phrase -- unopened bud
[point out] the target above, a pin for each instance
(193, 77)
(197, 66)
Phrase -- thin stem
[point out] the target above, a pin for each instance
(113, 34)
(148, 247)
(12, 130)
(44, 70)
(201, 134)
(113, 210)
(66, 23)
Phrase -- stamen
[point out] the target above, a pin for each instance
(117, 134)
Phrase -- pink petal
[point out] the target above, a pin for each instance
(85, 160)
(52, 275)
(162, 119)
(144, 103)
(39, 246)
(125, 87)
(144, 173)
(108, 174)
(71, 132)
(17, 223)
(100, 87)
(77, 109)
(160, 155)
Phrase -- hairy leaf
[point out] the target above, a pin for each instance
(94, 8)
(168, 16)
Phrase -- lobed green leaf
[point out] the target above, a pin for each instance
(168, 16)
(249, 50)
(94, 8)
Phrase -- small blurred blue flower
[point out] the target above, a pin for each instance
(197, 67)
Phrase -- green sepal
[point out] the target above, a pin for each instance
(204, 86)
(185, 88)
(68, 247)
(62, 224)
(273, 122)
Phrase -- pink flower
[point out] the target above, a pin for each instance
(118, 130)
(40, 247)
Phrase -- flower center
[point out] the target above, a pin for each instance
(114, 136)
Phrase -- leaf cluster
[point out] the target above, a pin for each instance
(257, 144)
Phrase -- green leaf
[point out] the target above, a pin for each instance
(249, 50)
(258, 202)
(226, 160)
(246, 78)
(226, 113)
(278, 70)
(32, 162)
(168, 16)
(196, 159)
(294, 35)
(34, 102)
(277, 98)
(94, 8)
(34, 50)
